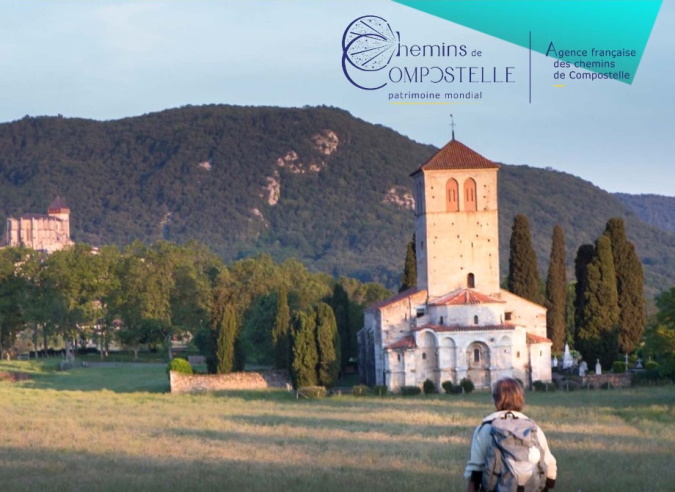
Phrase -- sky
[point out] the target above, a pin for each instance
(112, 59)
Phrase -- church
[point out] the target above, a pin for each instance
(40, 232)
(457, 322)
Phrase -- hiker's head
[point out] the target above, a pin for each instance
(508, 394)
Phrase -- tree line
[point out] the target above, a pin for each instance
(148, 296)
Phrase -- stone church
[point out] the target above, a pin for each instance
(457, 322)
(46, 233)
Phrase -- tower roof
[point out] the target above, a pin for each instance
(57, 205)
(463, 297)
(456, 155)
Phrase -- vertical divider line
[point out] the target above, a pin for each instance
(530, 68)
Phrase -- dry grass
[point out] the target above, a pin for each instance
(120, 431)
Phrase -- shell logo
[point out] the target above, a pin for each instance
(368, 44)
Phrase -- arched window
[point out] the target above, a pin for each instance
(476, 355)
(424, 355)
(475, 320)
(441, 321)
(470, 281)
(470, 195)
(451, 196)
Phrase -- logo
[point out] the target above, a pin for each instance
(368, 45)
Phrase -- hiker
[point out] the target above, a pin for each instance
(487, 469)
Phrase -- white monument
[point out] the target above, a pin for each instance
(568, 360)
(598, 367)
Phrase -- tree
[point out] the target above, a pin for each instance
(598, 337)
(340, 304)
(581, 261)
(556, 291)
(629, 285)
(409, 278)
(304, 353)
(228, 332)
(280, 336)
(660, 335)
(523, 273)
(328, 345)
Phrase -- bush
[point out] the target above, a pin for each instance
(410, 390)
(447, 386)
(457, 390)
(606, 385)
(312, 392)
(467, 385)
(542, 386)
(359, 390)
(429, 387)
(179, 365)
(651, 365)
(380, 390)
(619, 367)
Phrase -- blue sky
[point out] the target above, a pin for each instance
(112, 59)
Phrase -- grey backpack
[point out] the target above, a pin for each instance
(515, 459)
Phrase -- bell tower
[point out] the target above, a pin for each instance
(456, 222)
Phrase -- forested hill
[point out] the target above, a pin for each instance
(656, 210)
(313, 183)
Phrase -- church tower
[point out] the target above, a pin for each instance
(60, 210)
(456, 222)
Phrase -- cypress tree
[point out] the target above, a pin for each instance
(280, 330)
(629, 285)
(340, 304)
(409, 278)
(598, 331)
(581, 262)
(304, 355)
(328, 345)
(556, 291)
(227, 338)
(523, 273)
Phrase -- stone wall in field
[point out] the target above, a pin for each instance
(184, 383)
(615, 380)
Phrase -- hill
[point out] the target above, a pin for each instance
(312, 183)
(656, 210)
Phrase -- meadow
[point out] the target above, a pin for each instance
(117, 428)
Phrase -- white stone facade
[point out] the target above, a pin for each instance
(47, 233)
(457, 323)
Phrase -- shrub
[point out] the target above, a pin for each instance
(429, 387)
(606, 385)
(542, 386)
(410, 390)
(619, 367)
(447, 386)
(651, 365)
(179, 365)
(467, 385)
(457, 390)
(380, 390)
(312, 392)
(359, 390)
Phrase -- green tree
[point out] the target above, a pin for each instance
(304, 351)
(598, 337)
(409, 278)
(629, 285)
(660, 334)
(228, 332)
(523, 273)
(581, 261)
(339, 301)
(556, 291)
(280, 335)
(328, 345)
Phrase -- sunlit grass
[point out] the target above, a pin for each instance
(117, 429)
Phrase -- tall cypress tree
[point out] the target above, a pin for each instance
(598, 337)
(629, 285)
(523, 272)
(340, 304)
(280, 330)
(556, 291)
(328, 345)
(304, 355)
(227, 338)
(581, 262)
(409, 278)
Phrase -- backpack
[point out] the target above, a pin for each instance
(515, 459)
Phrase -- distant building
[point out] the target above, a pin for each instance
(46, 233)
(457, 323)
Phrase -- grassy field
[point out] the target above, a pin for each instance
(117, 429)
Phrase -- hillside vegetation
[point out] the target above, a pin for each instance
(312, 183)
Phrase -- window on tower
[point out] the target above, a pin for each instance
(471, 281)
(470, 195)
(452, 194)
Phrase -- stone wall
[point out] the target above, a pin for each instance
(185, 383)
(616, 380)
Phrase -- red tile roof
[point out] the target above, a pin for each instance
(444, 328)
(464, 296)
(58, 204)
(456, 155)
(404, 343)
(398, 298)
(536, 339)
